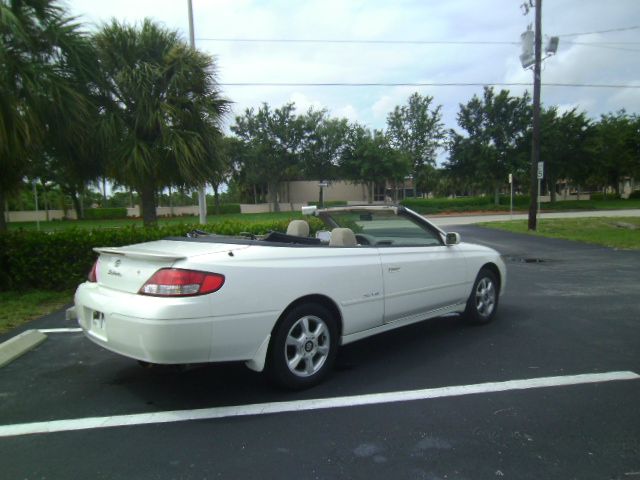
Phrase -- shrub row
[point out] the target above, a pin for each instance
(601, 196)
(460, 204)
(104, 213)
(60, 260)
(330, 203)
(224, 208)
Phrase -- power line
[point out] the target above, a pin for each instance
(308, 41)
(355, 41)
(621, 29)
(396, 41)
(609, 47)
(418, 84)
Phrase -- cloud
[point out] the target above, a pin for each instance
(453, 20)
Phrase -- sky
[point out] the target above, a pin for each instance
(594, 58)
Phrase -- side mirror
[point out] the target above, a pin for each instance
(452, 238)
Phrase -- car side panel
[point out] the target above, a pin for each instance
(421, 279)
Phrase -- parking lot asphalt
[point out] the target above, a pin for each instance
(570, 309)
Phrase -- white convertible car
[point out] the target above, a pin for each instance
(284, 303)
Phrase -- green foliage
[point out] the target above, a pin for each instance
(370, 158)
(599, 197)
(162, 109)
(438, 205)
(416, 130)
(19, 307)
(225, 208)
(271, 140)
(494, 144)
(60, 260)
(105, 213)
(634, 195)
(614, 232)
(44, 58)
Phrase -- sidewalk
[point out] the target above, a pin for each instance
(503, 217)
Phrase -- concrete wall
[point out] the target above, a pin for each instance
(308, 191)
(41, 215)
(268, 207)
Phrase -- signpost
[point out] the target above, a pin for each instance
(511, 196)
(540, 177)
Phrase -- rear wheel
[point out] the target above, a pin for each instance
(303, 347)
(483, 301)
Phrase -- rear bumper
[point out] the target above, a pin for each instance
(167, 330)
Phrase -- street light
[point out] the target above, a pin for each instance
(532, 56)
(202, 193)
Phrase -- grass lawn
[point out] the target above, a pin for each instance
(211, 220)
(615, 232)
(17, 308)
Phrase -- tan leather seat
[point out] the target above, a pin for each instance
(342, 237)
(299, 228)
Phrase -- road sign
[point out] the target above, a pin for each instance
(510, 178)
(540, 170)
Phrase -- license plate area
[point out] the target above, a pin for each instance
(98, 324)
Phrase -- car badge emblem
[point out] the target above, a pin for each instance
(117, 263)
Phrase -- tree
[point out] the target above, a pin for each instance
(273, 138)
(162, 103)
(370, 158)
(495, 126)
(417, 131)
(42, 52)
(616, 148)
(566, 146)
(223, 150)
(323, 142)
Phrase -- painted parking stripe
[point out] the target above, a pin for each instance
(59, 330)
(306, 405)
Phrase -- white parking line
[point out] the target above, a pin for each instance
(59, 330)
(306, 405)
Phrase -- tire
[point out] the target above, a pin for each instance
(303, 347)
(483, 301)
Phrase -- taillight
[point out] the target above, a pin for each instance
(93, 273)
(176, 282)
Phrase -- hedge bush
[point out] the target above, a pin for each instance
(61, 260)
(105, 213)
(635, 195)
(599, 197)
(224, 208)
(330, 203)
(461, 204)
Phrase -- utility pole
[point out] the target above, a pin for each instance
(202, 192)
(535, 140)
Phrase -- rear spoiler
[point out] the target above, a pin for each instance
(135, 253)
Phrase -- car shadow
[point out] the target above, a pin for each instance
(405, 358)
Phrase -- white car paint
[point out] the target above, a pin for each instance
(373, 289)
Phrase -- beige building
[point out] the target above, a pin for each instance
(302, 191)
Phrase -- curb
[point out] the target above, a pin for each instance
(19, 345)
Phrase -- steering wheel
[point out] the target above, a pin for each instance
(364, 239)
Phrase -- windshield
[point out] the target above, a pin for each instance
(383, 228)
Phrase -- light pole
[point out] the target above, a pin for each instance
(535, 136)
(202, 193)
(532, 55)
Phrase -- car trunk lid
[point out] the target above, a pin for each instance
(128, 268)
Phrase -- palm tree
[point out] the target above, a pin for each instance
(42, 55)
(162, 105)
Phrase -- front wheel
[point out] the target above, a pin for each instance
(303, 347)
(483, 301)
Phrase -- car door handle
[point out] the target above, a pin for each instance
(394, 269)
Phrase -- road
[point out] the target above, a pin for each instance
(570, 310)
